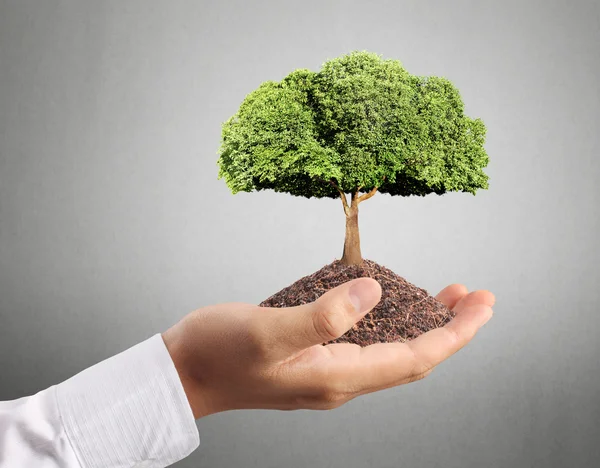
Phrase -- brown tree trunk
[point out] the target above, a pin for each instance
(352, 255)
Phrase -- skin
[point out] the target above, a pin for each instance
(241, 356)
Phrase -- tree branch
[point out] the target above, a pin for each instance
(331, 182)
(368, 195)
(341, 192)
(345, 203)
(356, 197)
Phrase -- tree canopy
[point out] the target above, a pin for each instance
(361, 122)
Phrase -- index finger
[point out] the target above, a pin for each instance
(384, 365)
(451, 295)
(437, 345)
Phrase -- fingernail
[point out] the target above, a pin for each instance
(360, 295)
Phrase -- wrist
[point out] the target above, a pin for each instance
(189, 384)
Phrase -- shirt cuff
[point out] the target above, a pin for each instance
(129, 410)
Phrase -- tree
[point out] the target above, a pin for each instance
(360, 125)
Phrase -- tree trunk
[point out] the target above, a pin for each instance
(352, 255)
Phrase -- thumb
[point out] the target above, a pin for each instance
(329, 317)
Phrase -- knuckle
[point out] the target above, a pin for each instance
(329, 395)
(420, 375)
(330, 392)
(329, 322)
(331, 399)
(417, 364)
(456, 340)
(424, 368)
(323, 393)
(420, 365)
(329, 405)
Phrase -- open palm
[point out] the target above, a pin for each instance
(241, 356)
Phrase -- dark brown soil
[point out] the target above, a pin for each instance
(404, 312)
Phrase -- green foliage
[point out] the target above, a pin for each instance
(360, 122)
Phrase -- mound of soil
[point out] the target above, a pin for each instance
(404, 312)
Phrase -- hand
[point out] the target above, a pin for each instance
(241, 356)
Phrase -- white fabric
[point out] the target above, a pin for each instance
(129, 411)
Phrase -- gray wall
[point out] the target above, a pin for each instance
(113, 224)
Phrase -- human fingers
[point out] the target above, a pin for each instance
(327, 318)
(450, 295)
(384, 365)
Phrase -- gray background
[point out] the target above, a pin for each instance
(113, 224)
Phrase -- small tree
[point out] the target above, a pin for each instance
(360, 125)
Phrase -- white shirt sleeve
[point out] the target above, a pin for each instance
(129, 411)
